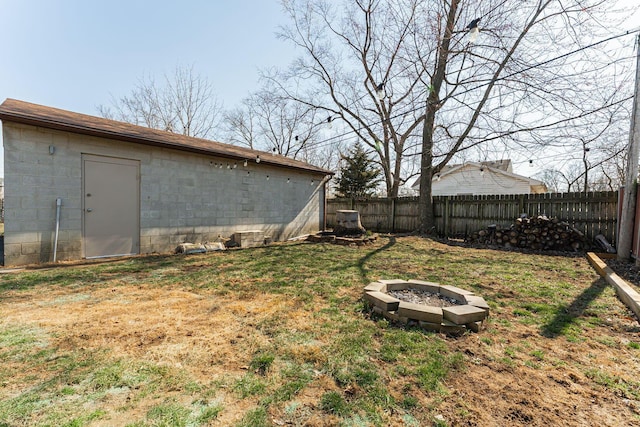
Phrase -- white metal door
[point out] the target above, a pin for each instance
(111, 206)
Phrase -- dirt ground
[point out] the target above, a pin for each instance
(552, 396)
(557, 395)
(192, 330)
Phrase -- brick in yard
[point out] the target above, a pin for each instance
(474, 326)
(429, 326)
(421, 285)
(382, 300)
(394, 284)
(463, 314)
(454, 292)
(395, 317)
(422, 312)
(375, 287)
(448, 327)
(477, 301)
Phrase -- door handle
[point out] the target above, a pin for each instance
(89, 210)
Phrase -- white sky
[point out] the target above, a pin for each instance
(77, 54)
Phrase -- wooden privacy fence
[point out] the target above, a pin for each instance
(592, 213)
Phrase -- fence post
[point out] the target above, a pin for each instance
(446, 222)
(393, 215)
(521, 205)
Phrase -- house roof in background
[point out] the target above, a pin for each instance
(503, 165)
(12, 110)
(499, 166)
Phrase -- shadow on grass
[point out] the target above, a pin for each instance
(84, 271)
(567, 315)
(368, 256)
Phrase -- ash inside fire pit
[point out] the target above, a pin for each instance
(416, 296)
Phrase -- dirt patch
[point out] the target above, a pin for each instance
(492, 395)
(535, 378)
(201, 332)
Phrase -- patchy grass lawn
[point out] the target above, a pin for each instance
(280, 336)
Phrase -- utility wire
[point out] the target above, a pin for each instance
(508, 76)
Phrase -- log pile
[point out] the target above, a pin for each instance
(538, 233)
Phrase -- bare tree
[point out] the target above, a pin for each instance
(184, 103)
(594, 152)
(241, 126)
(609, 151)
(406, 79)
(357, 67)
(271, 122)
(507, 87)
(552, 178)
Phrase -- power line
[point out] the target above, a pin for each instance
(479, 86)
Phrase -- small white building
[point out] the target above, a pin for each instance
(479, 178)
(124, 189)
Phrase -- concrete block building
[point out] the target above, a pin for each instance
(111, 188)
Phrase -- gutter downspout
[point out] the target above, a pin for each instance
(55, 241)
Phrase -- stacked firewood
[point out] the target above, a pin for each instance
(539, 233)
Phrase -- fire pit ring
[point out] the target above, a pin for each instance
(468, 314)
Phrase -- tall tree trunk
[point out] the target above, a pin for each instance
(427, 216)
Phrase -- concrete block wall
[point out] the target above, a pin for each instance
(185, 197)
(248, 239)
(34, 179)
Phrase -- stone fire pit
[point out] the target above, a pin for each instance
(459, 309)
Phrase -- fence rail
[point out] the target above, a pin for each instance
(592, 213)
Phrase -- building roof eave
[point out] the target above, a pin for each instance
(52, 118)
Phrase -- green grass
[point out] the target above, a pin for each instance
(250, 385)
(261, 363)
(333, 402)
(168, 415)
(634, 345)
(255, 418)
(359, 368)
(621, 387)
(209, 413)
(293, 380)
